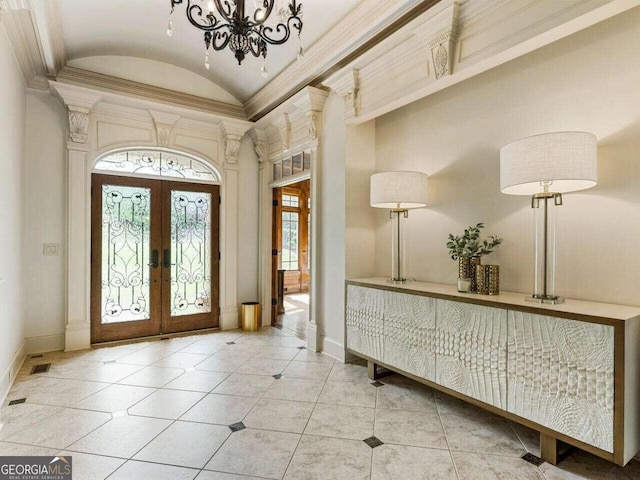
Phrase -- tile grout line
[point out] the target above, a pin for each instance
(446, 438)
(155, 390)
(252, 408)
(324, 383)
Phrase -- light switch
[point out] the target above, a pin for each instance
(50, 249)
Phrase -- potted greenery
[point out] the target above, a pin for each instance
(467, 250)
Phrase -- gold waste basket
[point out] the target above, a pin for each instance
(250, 316)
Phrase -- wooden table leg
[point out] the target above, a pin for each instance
(549, 449)
(372, 370)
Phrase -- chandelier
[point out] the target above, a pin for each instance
(228, 23)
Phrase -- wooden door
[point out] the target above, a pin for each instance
(154, 257)
(190, 256)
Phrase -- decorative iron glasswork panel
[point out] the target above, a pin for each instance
(190, 253)
(126, 226)
(154, 162)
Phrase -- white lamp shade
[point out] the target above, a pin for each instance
(568, 160)
(399, 190)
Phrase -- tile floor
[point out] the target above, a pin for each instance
(296, 317)
(163, 410)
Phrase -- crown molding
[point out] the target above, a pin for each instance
(107, 83)
(19, 27)
(35, 34)
(454, 41)
(292, 125)
(368, 24)
(48, 28)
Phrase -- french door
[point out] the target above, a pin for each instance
(154, 257)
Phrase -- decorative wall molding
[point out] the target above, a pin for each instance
(453, 41)
(76, 96)
(22, 38)
(78, 124)
(283, 125)
(232, 148)
(164, 126)
(347, 85)
(442, 45)
(259, 138)
(106, 83)
(296, 124)
(367, 24)
(79, 103)
(233, 131)
(48, 29)
(315, 124)
(35, 36)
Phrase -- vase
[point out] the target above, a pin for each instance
(493, 277)
(488, 279)
(474, 261)
(467, 273)
(482, 280)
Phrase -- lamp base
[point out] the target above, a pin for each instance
(397, 281)
(551, 299)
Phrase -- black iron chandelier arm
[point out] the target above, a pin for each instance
(220, 40)
(212, 23)
(281, 29)
(258, 17)
(225, 9)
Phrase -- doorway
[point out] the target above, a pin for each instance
(291, 259)
(154, 257)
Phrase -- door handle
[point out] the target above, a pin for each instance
(154, 258)
(166, 258)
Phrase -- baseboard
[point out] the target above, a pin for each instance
(45, 343)
(333, 349)
(77, 336)
(229, 318)
(9, 375)
(312, 336)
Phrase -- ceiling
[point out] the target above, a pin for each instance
(137, 28)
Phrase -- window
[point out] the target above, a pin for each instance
(157, 163)
(290, 201)
(290, 229)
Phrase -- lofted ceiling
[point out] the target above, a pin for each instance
(136, 29)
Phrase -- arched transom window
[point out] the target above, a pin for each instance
(157, 163)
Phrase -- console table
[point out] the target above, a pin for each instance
(570, 371)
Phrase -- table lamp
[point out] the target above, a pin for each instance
(546, 166)
(399, 192)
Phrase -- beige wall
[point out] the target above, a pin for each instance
(12, 134)
(588, 82)
(45, 221)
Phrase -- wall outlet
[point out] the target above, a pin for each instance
(50, 249)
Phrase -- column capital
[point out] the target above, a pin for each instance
(259, 138)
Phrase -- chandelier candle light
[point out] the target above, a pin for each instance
(228, 23)
(399, 192)
(546, 166)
